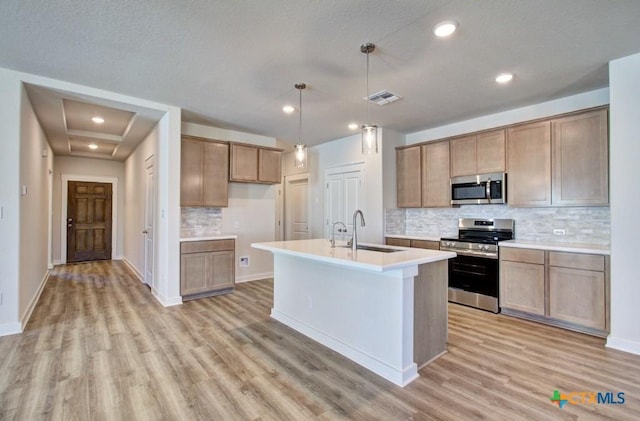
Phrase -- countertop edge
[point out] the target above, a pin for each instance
(435, 256)
(571, 248)
(209, 237)
(412, 237)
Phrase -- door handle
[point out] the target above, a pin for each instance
(145, 232)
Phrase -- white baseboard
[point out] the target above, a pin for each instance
(133, 268)
(400, 377)
(57, 262)
(253, 277)
(166, 302)
(623, 345)
(10, 328)
(32, 305)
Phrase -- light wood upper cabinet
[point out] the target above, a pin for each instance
(255, 164)
(580, 159)
(204, 165)
(244, 163)
(491, 152)
(408, 169)
(436, 184)
(464, 157)
(529, 163)
(269, 165)
(478, 154)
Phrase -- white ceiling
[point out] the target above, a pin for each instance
(233, 64)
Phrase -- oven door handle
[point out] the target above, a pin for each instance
(473, 253)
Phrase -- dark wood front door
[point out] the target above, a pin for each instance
(88, 221)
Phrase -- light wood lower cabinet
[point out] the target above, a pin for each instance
(569, 290)
(206, 268)
(522, 287)
(407, 242)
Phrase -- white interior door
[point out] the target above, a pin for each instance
(296, 214)
(343, 197)
(148, 224)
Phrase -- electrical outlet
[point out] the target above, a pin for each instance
(236, 225)
(244, 261)
(558, 232)
(309, 302)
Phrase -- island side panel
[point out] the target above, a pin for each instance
(430, 311)
(360, 314)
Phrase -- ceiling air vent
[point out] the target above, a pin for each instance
(382, 97)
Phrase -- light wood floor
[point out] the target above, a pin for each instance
(100, 347)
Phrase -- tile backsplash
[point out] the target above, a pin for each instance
(589, 225)
(199, 220)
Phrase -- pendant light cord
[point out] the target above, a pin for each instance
(368, 101)
(300, 124)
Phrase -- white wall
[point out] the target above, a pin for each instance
(35, 217)
(68, 165)
(625, 201)
(531, 112)
(134, 197)
(341, 152)
(10, 97)
(251, 213)
(390, 140)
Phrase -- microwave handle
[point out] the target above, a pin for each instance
(488, 190)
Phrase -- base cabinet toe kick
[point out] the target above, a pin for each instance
(391, 322)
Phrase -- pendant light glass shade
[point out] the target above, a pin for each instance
(369, 131)
(300, 156)
(300, 152)
(369, 139)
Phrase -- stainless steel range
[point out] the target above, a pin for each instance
(474, 273)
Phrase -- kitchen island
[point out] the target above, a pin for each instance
(387, 311)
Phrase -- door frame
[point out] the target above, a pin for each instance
(287, 179)
(114, 210)
(149, 163)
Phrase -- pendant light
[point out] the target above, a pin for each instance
(369, 131)
(300, 154)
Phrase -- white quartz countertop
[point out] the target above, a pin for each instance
(568, 247)
(413, 237)
(321, 250)
(186, 236)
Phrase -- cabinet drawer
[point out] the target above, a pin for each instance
(522, 255)
(576, 260)
(402, 242)
(206, 246)
(425, 244)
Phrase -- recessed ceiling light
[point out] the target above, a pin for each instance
(288, 109)
(353, 126)
(97, 120)
(93, 146)
(504, 77)
(446, 28)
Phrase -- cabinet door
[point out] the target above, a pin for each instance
(529, 162)
(269, 166)
(191, 172)
(425, 244)
(491, 152)
(244, 163)
(522, 287)
(194, 273)
(577, 296)
(436, 184)
(408, 177)
(402, 242)
(215, 174)
(221, 270)
(580, 160)
(464, 156)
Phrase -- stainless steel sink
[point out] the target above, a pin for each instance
(374, 248)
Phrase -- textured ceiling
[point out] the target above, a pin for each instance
(233, 64)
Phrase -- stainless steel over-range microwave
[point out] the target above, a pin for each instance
(479, 189)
